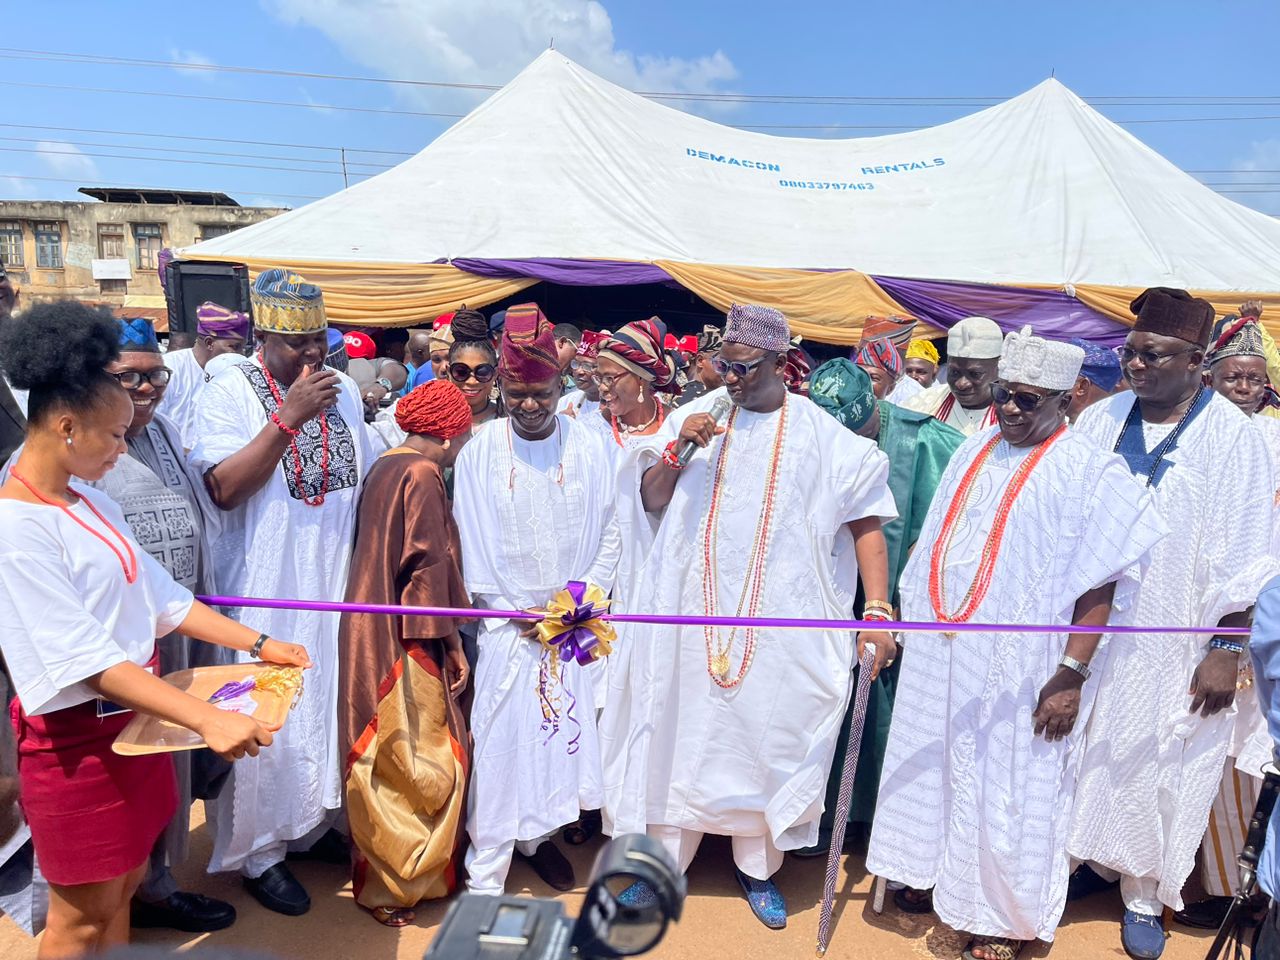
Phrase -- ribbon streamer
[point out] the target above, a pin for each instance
(571, 627)
(775, 623)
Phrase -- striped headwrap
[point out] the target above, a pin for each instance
(137, 335)
(638, 348)
(796, 370)
(215, 320)
(880, 353)
(527, 353)
(896, 329)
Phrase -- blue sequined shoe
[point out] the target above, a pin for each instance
(765, 899)
(639, 895)
(1142, 935)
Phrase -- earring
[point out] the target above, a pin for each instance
(445, 445)
(68, 441)
(640, 397)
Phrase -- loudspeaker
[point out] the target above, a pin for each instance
(189, 283)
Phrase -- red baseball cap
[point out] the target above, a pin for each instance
(360, 346)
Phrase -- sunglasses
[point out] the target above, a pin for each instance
(1026, 402)
(738, 368)
(1148, 358)
(461, 373)
(132, 379)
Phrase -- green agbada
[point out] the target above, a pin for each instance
(919, 447)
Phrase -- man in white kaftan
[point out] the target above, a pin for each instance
(533, 515)
(964, 400)
(700, 735)
(1154, 753)
(280, 543)
(974, 802)
(220, 333)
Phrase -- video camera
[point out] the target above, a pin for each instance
(521, 928)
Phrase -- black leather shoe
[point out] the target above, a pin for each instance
(188, 912)
(279, 890)
(1206, 914)
(552, 866)
(330, 848)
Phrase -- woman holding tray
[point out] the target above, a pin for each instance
(81, 606)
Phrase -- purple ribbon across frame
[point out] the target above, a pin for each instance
(777, 623)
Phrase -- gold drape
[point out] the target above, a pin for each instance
(393, 294)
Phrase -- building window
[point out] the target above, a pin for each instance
(114, 286)
(11, 243)
(147, 238)
(210, 230)
(111, 241)
(49, 246)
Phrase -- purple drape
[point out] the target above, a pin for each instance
(572, 273)
(1050, 313)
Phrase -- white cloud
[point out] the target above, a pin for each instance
(1256, 167)
(66, 160)
(196, 60)
(316, 106)
(490, 41)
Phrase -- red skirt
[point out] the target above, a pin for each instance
(94, 815)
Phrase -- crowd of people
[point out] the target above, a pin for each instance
(496, 461)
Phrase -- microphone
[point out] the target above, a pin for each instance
(719, 410)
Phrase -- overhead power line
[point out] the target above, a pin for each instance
(178, 136)
(18, 53)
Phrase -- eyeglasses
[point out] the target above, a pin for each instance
(608, 380)
(132, 379)
(1148, 358)
(1026, 402)
(1231, 379)
(738, 368)
(461, 373)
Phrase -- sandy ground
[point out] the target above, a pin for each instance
(717, 922)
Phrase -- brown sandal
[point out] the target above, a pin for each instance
(995, 948)
(393, 916)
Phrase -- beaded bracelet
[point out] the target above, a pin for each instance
(671, 458)
(1222, 643)
(283, 427)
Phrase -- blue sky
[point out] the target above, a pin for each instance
(922, 49)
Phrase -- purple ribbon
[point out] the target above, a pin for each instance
(777, 623)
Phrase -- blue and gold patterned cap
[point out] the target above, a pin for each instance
(137, 335)
(284, 302)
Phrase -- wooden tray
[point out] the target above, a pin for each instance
(147, 734)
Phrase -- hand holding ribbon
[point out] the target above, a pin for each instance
(571, 624)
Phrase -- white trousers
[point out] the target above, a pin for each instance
(1228, 824)
(1138, 893)
(487, 868)
(757, 857)
(264, 858)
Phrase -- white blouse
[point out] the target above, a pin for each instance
(66, 611)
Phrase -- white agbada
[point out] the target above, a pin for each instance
(931, 399)
(532, 515)
(971, 802)
(753, 761)
(1151, 768)
(576, 400)
(275, 545)
(904, 390)
(183, 392)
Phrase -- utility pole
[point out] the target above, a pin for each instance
(345, 182)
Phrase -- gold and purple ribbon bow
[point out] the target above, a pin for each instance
(571, 626)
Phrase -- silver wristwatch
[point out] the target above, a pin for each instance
(1071, 663)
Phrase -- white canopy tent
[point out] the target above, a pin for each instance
(1038, 191)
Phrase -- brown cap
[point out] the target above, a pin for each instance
(1173, 313)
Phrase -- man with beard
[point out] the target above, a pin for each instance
(534, 503)
(1157, 741)
(964, 401)
(730, 731)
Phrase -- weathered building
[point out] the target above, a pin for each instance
(106, 251)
